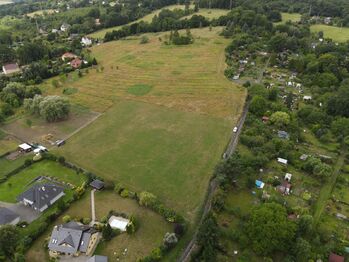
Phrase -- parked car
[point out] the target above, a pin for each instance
(60, 143)
(235, 129)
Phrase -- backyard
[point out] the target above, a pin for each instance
(152, 228)
(340, 34)
(18, 183)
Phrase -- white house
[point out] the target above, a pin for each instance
(65, 27)
(307, 98)
(86, 41)
(282, 161)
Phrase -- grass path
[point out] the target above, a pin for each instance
(326, 190)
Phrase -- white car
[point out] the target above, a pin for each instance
(235, 129)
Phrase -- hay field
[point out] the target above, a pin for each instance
(209, 13)
(335, 33)
(187, 78)
(41, 13)
(169, 112)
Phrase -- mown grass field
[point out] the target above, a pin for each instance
(336, 33)
(7, 166)
(209, 13)
(18, 183)
(169, 115)
(41, 12)
(7, 143)
(152, 228)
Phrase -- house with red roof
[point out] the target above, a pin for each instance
(68, 56)
(335, 258)
(10, 68)
(76, 63)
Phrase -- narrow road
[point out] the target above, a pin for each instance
(327, 189)
(93, 211)
(213, 186)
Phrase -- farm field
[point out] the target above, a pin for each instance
(336, 33)
(209, 13)
(18, 183)
(151, 230)
(9, 165)
(186, 78)
(168, 121)
(7, 143)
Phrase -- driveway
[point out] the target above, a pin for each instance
(26, 213)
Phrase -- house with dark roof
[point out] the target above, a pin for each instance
(97, 184)
(72, 239)
(283, 135)
(10, 69)
(41, 196)
(98, 258)
(8, 217)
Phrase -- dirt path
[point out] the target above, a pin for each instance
(213, 186)
(93, 210)
(327, 189)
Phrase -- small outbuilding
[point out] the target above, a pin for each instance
(304, 157)
(283, 134)
(260, 184)
(118, 223)
(288, 177)
(10, 69)
(335, 258)
(68, 56)
(282, 160)
(97, 184)
(307, 98)
(25, 147)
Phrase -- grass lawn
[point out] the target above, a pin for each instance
(7, 143)
(209, 13)
(8, 165)
(18, 183)
(336, 33)
(41, 12)
(4, 2)
(153, 148)
(149, 235)
(295, 17)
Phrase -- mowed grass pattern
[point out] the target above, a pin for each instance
(340, 34)
(167, 152)
(188, 78)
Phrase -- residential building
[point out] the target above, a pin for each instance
(65, 27)
(72, 239)
(76, 63)
(68, 56)
(335, 258)
(10, 69)
(86, 41)
(8, 217)
(41, 196)
(283, 134)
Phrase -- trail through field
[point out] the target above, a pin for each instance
(327, 189)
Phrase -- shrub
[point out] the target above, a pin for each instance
(170, 240)
(144, 40)
(124, 193)
(118, 188)
(66, 219)
(147, 199)
(86, 220)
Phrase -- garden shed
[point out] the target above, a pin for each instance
(118, 223)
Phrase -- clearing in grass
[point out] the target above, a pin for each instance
(340, 34)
